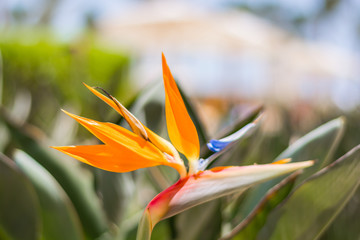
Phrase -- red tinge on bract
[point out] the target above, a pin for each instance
(211, 184)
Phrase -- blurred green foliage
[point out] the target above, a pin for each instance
(66, 199)
(38, 77)
(53, 74)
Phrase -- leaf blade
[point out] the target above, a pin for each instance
(249, 227)
(314, 205)
(60, 220)
(19, 209)
(310, 146)
(75, 185)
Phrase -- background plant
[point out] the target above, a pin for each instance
(59, 199)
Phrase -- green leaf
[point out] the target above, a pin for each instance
(346, 224)
(319, 144)
(19, 207)
(148, 106)
(144, 229)
(76, 185)
(162, 231)
(315, 204)
(233, 140)
(110, 187)
(60, 221)
(251, 225)
(203, 139)
(246, 118)
(1, 79)
(206, 224)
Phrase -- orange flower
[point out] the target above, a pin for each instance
(123, 150)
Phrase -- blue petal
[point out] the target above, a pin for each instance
(217, 145)
(212, 148)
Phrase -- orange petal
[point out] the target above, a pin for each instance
(126, 142)
(181, 129)
(110, 134)
(104, 98)
(112, 159)
(158, 141)
(282, 161)
(135, 124)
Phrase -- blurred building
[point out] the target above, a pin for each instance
(233, 54)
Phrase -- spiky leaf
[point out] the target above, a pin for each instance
(60, 220)
(315, 204)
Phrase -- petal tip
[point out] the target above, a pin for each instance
(282, 161)
(312, 162)
(86, 85)
(69, 114)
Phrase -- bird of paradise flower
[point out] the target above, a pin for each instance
(125, 151)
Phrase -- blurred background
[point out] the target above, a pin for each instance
(302, 55)
(298, 59)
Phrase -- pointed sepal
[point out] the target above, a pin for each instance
(181, 129)
(122, 151)
(162, 144)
